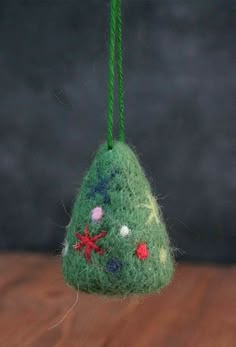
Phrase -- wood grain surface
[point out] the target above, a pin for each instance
(198, 309)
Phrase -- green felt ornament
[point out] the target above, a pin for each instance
(116, 242)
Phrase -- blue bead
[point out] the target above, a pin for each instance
(114, 265)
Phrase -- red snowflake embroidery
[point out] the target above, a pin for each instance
(88, 242)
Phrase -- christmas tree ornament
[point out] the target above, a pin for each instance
(116, 242)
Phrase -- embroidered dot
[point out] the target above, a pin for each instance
(142, 251)
(162, 255)
(97, 214)
(124, 231)
(65, 248)
(114, 265)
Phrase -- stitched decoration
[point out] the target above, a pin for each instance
(116, 242)
(88, 242)
(99, 258)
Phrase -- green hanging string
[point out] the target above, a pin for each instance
(115, 45)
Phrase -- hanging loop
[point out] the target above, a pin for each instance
(115, 61)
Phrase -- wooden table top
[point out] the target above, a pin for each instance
(198, 309)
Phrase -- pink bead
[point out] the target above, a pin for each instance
(97, 214)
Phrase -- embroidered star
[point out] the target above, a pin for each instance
(162, 255)
(154, 210)
(88, 242)
(102, 187)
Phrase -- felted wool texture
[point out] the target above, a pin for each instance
(116, 183)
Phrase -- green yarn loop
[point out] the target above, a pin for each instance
(115, 44)
(116, 242)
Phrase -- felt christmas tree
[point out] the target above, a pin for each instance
(116, 242)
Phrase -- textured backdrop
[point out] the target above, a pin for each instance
(180, 88)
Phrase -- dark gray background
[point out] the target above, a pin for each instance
(180, 88)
